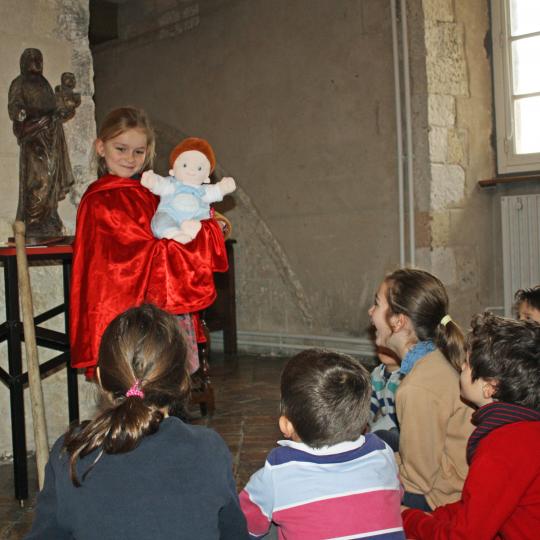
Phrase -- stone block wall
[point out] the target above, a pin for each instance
(456, 239)
(299, 106)
(59, 29)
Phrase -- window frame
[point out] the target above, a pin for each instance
(508, 161)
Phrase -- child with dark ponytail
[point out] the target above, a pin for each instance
(410, 316)
(133, 471)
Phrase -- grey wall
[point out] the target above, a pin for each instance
(298, 102)
(298, 99)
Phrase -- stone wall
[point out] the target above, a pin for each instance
(456, 238)
(302, 115)
(59, 29)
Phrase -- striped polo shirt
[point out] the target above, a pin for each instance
(350, 490)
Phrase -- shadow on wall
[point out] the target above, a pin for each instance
(270, 297)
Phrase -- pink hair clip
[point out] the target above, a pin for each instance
(135, 390)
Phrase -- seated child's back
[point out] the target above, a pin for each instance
(328, 480)
(133, 471)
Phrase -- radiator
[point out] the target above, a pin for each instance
(521, 245)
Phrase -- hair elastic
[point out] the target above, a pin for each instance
(445, 320)
(135, 390)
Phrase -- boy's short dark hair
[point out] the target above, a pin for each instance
(326, 396)
(507, 351)
(531, 296)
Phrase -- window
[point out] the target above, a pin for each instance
(516, 76)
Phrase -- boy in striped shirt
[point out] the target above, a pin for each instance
(385, 379)
(327, 480)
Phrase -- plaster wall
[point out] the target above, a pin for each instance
(59, 30)
(299, 106)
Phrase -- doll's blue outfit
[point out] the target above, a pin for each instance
(180, 202)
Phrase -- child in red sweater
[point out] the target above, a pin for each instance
(501, 495)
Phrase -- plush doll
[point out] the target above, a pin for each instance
(184, 199)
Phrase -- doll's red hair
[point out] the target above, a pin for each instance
(193, 143)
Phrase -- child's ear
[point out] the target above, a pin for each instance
(397, 322)
(489, 388)
(100, 147)
(286, 427)
(206, 181)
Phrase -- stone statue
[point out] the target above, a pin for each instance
(66, 99)
(45, 174)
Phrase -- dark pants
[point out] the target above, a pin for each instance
(390, 437)
(415, 500)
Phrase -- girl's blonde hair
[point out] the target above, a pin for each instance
(120, 120)
(141, 349)
(422, 297)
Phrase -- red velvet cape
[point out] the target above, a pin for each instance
(117, 263)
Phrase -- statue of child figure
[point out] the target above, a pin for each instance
(66, 99)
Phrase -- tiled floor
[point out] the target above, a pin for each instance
(247, 405)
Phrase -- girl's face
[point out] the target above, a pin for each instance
(377, 313)
(124, 154)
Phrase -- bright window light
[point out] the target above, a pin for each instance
(525, 16)
(516, 76)
(526, 65)
(527, 122)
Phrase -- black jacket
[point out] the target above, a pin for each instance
(177, 484)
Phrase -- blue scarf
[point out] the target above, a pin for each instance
(415, 353)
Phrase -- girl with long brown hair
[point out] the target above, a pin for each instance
(133, 471)
(410, 316)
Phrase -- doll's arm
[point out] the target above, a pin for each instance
(216, 192)
(157, 184)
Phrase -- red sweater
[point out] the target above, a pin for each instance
(501, 495)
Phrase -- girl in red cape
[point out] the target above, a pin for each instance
(117, 262)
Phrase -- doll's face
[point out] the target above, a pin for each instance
(191, 168)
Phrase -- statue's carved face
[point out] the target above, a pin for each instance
(32, 62)
(68, 80)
